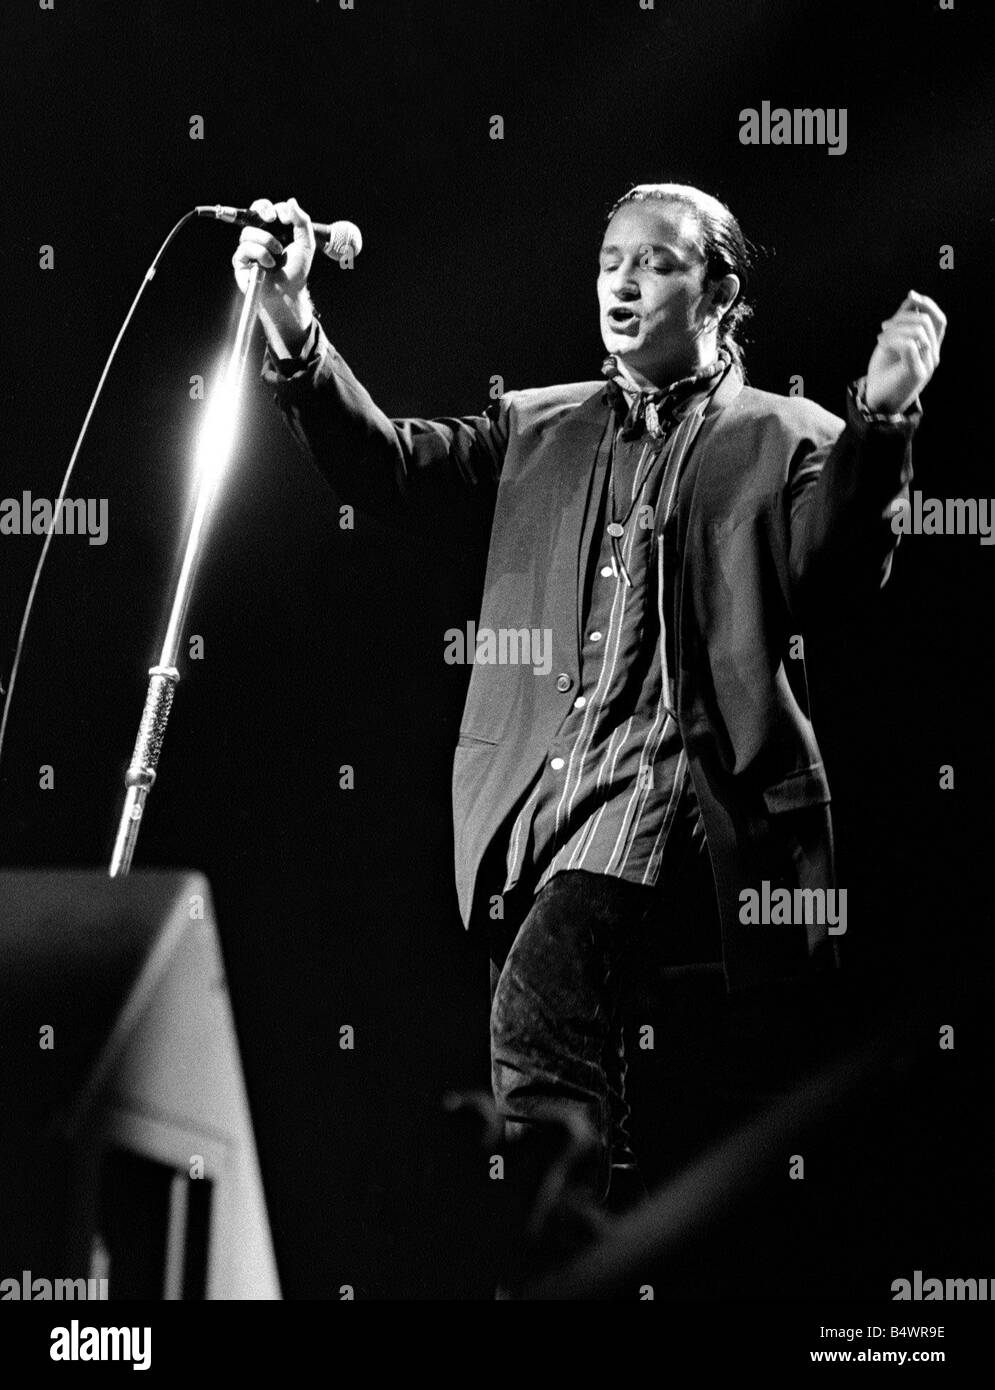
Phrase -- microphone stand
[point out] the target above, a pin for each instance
(164, 676)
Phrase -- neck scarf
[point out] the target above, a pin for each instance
(655, 410)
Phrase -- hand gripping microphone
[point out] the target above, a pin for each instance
(334, 238)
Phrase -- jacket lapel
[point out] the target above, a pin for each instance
(693, 482)
(574, 472)
(697, 464)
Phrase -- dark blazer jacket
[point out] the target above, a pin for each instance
(782, 515)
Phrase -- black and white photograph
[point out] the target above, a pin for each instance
(496, 663)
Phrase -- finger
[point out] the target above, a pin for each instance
(931, 310)
(907, 319)
(901, 335)
(927, 305)
(282, 212)
(298, 216)
(301, 222)
(257, 235)
(928, 308)
(913, 320)
(251, 253)
(914, 326)
(264, 208)
(909, 346)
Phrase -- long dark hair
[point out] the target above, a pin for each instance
(727, 252)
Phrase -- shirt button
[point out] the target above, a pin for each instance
(563, 682)
(556, 764)
(606, 571)
(580, 702)
(594, 636)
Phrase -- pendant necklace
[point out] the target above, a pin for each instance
(616, 527)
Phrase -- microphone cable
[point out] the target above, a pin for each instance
(57, 512)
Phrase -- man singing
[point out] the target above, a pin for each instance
(673, 531)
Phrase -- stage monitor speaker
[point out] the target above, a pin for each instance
(126, 1145)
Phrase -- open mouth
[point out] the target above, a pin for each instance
(622, 319)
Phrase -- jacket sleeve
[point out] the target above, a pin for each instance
(843, 495)
(418, 474)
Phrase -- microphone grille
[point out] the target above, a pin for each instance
(342, 237)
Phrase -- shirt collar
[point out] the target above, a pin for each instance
(668, 403)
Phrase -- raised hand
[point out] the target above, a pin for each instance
(907, 354)
(285, 306)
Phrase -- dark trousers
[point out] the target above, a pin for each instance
(560, 970)
(565, 965)
(556, 1034)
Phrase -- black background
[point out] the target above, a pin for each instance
(324, 647)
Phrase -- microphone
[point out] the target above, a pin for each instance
(334, 238)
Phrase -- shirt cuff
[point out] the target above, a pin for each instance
(858, 411)
(308, 355)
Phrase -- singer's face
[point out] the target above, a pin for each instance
(651, 290)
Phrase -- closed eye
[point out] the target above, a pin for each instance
(661, 267)
(658, 268)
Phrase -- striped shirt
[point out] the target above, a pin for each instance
(611, 785)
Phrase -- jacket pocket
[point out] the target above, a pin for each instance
(473, 741)
(799, 790)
